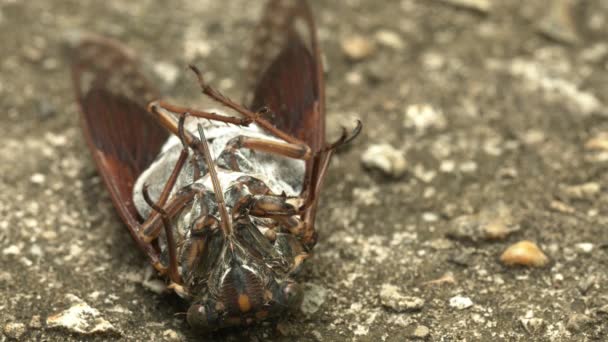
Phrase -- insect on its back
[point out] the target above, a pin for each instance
(221, 202)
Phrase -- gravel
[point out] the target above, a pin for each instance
(487, 108)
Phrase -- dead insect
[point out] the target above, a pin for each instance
(230, 232)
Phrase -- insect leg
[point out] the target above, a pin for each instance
(256, 117)
(153, 106)
(314, 183)
(296, 151)
(152, 226)
(170, 184)
(173, 273)
(270, 206)
(179, 165)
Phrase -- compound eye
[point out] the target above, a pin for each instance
(293, 295)
(202, 317)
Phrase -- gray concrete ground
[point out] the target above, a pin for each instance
(499, 112)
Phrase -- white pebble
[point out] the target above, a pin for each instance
(80, 318)
(167, 72)
(468, 167)
(391, 297)
(357, 47)
(354, 78)
(390, 39)
(37, 178)
(584, 247)
(461, 302)
(430, 217)
(447, 166)
(385, 158)
(12, 250)
(424, 117)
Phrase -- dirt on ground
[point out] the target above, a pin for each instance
(485, 123)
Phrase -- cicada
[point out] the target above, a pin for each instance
(222, 202)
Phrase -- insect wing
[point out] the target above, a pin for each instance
(122, 136)
(286, 71)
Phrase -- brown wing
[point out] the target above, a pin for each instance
(123, 138)
(287, 73)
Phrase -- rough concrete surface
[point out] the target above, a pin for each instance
(498, 109)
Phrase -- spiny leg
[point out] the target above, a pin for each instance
(313, 183)
(202, 114)
(259, 120)
(269, 206)
(152, 227)
(287, 149)
(264, 145)
(292, 148)
(173, 272)
(203, 148)
(311, 190)
(177, 169)
(166, 118)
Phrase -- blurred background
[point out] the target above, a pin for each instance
(484, 126)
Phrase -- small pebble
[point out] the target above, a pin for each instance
(422, 332)
(495, 222)
(196, 48)
(5, 278)
(430, 217)
(440, 244)
(80, 318)
(578, 321)
(424, 117)
(524, 253)
(586, 283)
(167, 72)
(461, 302)
(582, 191)
(32, 54)
(391, 297)
(37, 178)
(468, 167)
(447, 166)
(14, 330)
(532, 325)
(561, 207)
(357, 48)
(390, 39)
(433, 61)
(584, 247)
(354, 78)
(171, 335)
(385, 158)
(35, 322)
(314, 297)
(12, 250)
